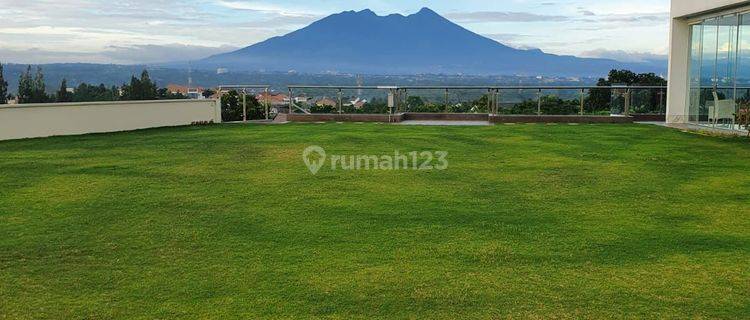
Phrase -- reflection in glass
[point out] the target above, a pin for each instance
(742, 95)
(724, 103)
(695, 73)
(708, 69)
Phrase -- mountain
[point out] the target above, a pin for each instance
(421, 43)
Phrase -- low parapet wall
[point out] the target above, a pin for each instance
(320, 117)
(559, 119)
(446, 116)
(457, 117)
(649, 117)
(54, 119)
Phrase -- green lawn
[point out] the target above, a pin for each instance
(225, 221)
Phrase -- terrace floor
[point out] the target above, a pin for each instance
(226, 221)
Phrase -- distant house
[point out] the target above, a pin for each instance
(274, 99)
(192, 93)
(301, 99)
(358, 103)
(326, 102)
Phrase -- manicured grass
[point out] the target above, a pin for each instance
(529, 221)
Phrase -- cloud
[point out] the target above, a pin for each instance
(150, 53)
(503, 16)
(256, 6)
(132, 54)
(505, 36)
(588, 17)
(625, 56)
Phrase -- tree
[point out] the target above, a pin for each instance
(140, 89)
(148, 87)
(85, 92)
(63, 95)
(414, 103)
(3, 87)
(38, 88)
(231, 107)
(25, 88)
(323, 108)
(208, 93)
(231, 110)
(600, 100)
(550, 105)
(165, 94)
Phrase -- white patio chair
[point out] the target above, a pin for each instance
(722, 110)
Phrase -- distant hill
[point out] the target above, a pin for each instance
(421, 43)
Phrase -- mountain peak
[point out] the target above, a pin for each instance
(423, 42)
(367, 12)
(426, 11)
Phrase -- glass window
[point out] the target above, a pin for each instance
(708, 68)
(720, 71)
(742, 79)
(695, 72)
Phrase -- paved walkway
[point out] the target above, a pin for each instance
(697, 128)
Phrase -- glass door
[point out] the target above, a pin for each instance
(742, 78)
(723, 115)
(708, 70)
(696, 34)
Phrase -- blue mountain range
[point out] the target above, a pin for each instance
(421, 43)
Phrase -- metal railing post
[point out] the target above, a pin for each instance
(406, 101)
(244, 105)
(265, 101)
(498, 97)
(627, 101)
(340, 103)
(489, 101)
(290, 100)
(446, 100)
(539, 102)
(661, 102)
(582, 95)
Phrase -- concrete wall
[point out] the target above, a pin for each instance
(679, 50)
(447, 116)
(43, 120)
(317, 117)
(500, 118)
(688, 8)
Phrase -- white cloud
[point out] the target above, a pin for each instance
(502, 16)
(625, 56)
(135, 54)
(263, 7)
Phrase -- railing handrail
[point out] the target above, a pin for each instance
(241, 86)
(472, 87)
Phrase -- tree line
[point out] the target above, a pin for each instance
(33, 89)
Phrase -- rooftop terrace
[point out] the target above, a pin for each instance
(528, 221)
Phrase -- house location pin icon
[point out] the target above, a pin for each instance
(314, 157)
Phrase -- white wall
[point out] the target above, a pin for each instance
(686, 8)
(679, 51)
(43, 120)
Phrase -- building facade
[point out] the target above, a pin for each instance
(709, 64)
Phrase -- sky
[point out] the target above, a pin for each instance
(151, 31)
